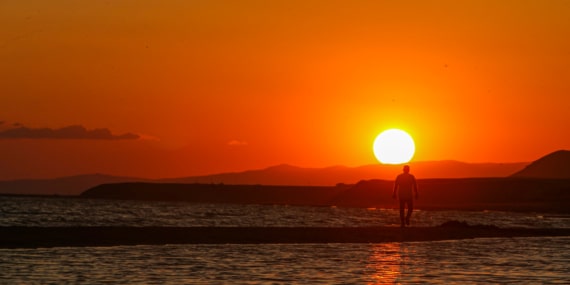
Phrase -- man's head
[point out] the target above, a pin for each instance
(406, 168)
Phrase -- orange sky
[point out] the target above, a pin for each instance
(215, 86)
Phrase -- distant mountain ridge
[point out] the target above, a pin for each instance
(554, 165)
(67, 186)
(285, 174)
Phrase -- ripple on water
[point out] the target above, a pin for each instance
(496, 260)
(34, 211)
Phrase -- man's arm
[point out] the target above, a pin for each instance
(395, 189)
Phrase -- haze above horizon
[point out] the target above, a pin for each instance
(184, 88)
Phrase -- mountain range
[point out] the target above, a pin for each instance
(554, 165)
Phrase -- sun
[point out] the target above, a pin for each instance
(394, 146)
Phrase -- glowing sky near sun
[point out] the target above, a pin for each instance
(212, 86)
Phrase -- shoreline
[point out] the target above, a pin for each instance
(41, 237)
(467, 207)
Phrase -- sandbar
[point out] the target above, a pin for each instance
(38, 237)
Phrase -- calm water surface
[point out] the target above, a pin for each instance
(479, 261)
(25, 211)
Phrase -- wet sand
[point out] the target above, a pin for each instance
(35, 237)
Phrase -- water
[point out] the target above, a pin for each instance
(479, 261)
(476, 261)
(31, 211)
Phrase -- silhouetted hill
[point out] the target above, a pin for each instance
(292, 175)
(467, 194)
(72, 185)
(283, 174)
(502, 194)
(217, 193)
(554, 165)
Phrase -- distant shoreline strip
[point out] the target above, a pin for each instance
(37, 237)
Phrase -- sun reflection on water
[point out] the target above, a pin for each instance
(387, 262)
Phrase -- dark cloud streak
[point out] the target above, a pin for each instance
(70, 132)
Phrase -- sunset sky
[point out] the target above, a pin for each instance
(178, 88)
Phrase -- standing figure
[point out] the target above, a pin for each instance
(404, 185)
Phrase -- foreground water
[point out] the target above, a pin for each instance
(477, 261)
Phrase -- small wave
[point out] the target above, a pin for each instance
(464, 224)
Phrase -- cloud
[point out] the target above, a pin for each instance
(237, 143)
(70, 132)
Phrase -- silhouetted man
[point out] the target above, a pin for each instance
(404, 185)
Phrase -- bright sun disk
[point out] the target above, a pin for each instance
(394, 146)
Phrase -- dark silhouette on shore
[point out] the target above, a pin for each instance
(34, 237)
(475, 194)
(404, 188)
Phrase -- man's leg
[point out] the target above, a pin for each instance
(410, 210)
(402, 206)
